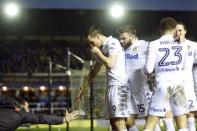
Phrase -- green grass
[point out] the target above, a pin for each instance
(76, 125)
(64, 129)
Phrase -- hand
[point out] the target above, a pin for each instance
(71, 116)
(151, 81)
(95, 50)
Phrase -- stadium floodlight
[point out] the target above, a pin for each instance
(26, 88)
(42, 88)
(117, 10)
(11, 9)
(4, 88)
(61, 88)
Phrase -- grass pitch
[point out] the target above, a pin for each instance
(76, 125)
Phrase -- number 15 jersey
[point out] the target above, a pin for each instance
(166, 56)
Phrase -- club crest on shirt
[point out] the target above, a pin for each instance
(189, 51)
(134, 49)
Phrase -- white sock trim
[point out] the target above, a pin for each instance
(169, 124)
(191, 124)
(183, 129)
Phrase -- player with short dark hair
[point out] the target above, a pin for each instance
(191, 57)
(110, 53)
(167, 56)
(135, 58)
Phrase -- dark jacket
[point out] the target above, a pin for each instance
(10, 119)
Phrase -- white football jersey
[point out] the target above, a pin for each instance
(166, 56)
(135, 58)
(190, 58)
(195, 77)
(135, 55)
(117, 74)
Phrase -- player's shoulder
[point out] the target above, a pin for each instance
(143, 42)
(191, 43)
(113, 39)
(154, 42)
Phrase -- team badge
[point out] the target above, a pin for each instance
(190, 53)
(134, 49)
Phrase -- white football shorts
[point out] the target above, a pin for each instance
(168, 92)
(117, 99)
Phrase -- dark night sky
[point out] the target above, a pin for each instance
(73, 17)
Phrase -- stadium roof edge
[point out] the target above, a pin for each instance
(168, 5)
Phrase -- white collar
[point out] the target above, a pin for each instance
(105, 42)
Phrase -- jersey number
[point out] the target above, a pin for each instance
(191, 103)
(177, 50)
(141, 108)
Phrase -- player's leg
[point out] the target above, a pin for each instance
(178, 104)
(168, 121)
(148, 94)
(181, 122)
(157, 126)
(192, 104)
(157, 107)
(130, 123)
(118, 124)
(151, 122)
(132, 106)
(117, 105)
(191, 121)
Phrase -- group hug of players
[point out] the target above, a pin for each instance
(131, 88)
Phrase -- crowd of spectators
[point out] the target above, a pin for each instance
(31, 55)
(39, 100)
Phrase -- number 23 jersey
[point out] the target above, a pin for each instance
(166, 56)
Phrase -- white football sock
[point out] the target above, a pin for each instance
(169, 124)
(184, 129)
(157, 128)
(191, 124)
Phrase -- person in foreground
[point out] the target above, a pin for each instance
(191, 57)
(135, 58)
(167, 56)
(109, 52)
(15, 112)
